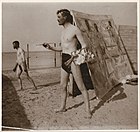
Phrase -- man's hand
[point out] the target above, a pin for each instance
(68, 62)
(14, 69)
(46, 45)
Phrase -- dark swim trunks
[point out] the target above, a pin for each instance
(65, 58)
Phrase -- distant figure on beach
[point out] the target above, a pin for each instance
(21, 65)
(69, 38)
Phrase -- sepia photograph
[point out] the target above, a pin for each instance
(69, 66)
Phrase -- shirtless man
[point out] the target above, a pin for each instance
(21, 65)
(69, 37)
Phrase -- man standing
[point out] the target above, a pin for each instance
(69, 38)
(21, 65)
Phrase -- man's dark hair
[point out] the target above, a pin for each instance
(16, 42)
(66, 13)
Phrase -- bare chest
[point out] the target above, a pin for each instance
(20, 52)
(67, 36)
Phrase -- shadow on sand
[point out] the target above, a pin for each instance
(116, 93)
(77, 105)
(111, 96)
(13, 114)
(46, 85)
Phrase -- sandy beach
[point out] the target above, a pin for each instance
(34, 110)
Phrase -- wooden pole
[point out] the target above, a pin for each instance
(55, 56)
(28, 56)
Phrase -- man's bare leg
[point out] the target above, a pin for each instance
(31, 80)
(79, 81)
(20, 83)
(87, 104)
(64, 82)
(63, 101)
(19, 72)
(70, 86)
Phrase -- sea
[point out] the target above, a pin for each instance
(37, 59)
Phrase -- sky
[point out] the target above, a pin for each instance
(35, 23)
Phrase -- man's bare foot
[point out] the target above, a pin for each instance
(35, 88)
(88, 115)
(60, 110)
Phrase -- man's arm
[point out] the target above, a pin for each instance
(80, 38)
(14, 69)
(23, 55)
(58, 49)
(24, 60)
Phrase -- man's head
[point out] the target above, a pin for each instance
(64, 16)
(16, 44)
